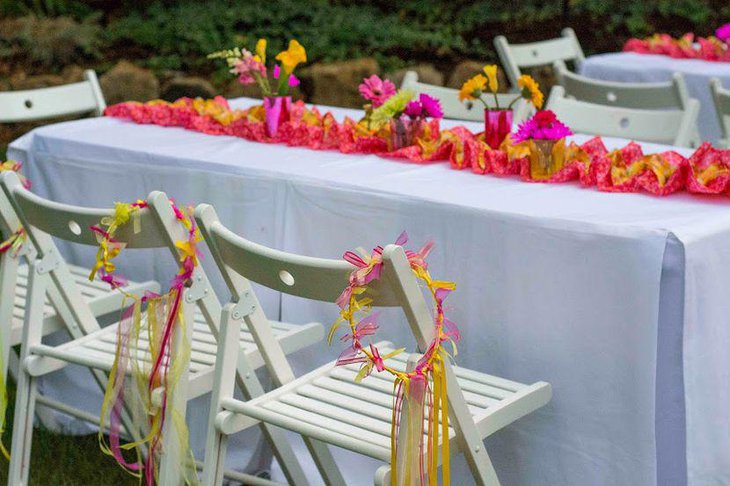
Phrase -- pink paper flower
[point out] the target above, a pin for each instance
(413, 109)
(376, 90)
(431, 106)
(723, 32)
(544, 125)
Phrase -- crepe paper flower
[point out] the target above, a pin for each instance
(491, 72)
(261, 50)
(530, 90)
(376, 90)
(248, 68)
(473, 88)
(392, 108)
(544, 125)
(292, 57)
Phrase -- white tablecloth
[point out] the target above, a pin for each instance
(636, 68)
(615, 299)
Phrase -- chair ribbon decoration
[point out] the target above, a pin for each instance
(422, 393)
(13, 244)
(144, 349)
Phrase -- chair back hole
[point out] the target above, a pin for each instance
(534, 53)
(624, 123)
(28, 104)
(74, 227)
(286, 278)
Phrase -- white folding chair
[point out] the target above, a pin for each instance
(455, 109)
(326, 405)
(94, 347)
(13, 291)
(37, 104)
(721, 97)
(671, 127)
(670, 95)
(516, 57)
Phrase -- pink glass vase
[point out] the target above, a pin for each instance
(497, 125)
(278, 111)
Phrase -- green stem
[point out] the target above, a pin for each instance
(496, 100)
(513, 102)
(283, 82)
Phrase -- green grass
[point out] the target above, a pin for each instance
(62, 460)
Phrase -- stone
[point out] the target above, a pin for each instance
(469, 68)
(192, 87)
(336, 83)
(427, 73)
(22, 81)
(127, 82)
(72, 74)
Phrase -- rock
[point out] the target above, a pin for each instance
(72, 74)
(192, 87)
(22, 81)
(336, 83)
(127, 82)
(427, 73)
(466, 69)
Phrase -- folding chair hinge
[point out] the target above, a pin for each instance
(245, 306)
(197, 290)
(48, 263)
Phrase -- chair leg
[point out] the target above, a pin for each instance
(325, 462)
(382, 476)
(19, 468)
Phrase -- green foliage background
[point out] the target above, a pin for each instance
(176, 35)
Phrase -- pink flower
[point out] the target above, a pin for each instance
(247, 67)
(376, 90)
(723, 32)
(431, 106)
(293, 80)
(413, 109)
(544, 125)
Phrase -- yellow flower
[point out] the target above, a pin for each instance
(472, 88)
(291, 57)
(491, 72)
(530, 90)
(261, 50)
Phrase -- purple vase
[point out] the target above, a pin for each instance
(497, 125)
(403, 132)
(278, 111)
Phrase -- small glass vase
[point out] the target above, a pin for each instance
(543, 162)
(497, 125)
(403, 132)
(278, 112)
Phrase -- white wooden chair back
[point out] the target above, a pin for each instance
(721, 97)
(43, 219)
(671, 127)
(457, 110)
(515, 57)
(643, 96)
(38, 104)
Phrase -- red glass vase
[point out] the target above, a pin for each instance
(403, 132)
(278, 111)
(497, 125)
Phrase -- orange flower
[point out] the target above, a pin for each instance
(292, 57)
(473, 88)
(491, 72)
(530, 90)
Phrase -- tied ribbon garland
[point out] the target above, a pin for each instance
(144, 346)
(414, 391)
(705, 172)
(686, 47)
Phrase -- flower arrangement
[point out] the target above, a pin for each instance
(474, 87)
(544, 125)
(713, 48)
(251, 67)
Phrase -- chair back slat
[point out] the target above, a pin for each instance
(673, 127)
(302, 276)
(644, 96)
(455, 109)
(516, 57)
(71, 223)
(721, 97)
(37, 104)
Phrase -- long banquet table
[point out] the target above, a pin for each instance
(631, 67)
(618, 300)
